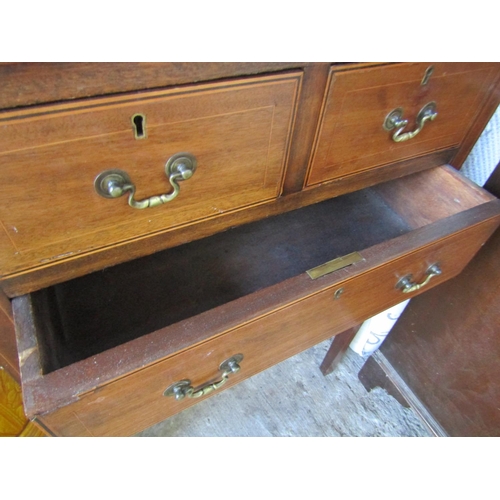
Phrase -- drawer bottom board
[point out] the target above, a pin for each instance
(88, 315)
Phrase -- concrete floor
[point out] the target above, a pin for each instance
(293, 398)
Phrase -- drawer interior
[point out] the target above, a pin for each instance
(88, 315)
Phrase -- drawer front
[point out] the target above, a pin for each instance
(353, 136)
(238, 132)
(135, 402)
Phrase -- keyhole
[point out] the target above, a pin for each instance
(427, 75)
(139, 125)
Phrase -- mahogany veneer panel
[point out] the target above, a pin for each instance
(136, 402)
(471, 226)
(78, 265)
(96, 353)
(26, 84)
(238, 131)
(449, 355)
(351, 137)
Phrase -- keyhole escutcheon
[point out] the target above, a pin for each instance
(139, 125)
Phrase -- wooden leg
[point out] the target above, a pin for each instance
(336, 352)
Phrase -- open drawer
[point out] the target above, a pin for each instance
(101, 354)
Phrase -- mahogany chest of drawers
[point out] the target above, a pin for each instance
(170, 230)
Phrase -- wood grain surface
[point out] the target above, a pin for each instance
(239, 134)
(448, 356)
(351, 137)
(62, 386)
(126, 406)
(338, 347)
(13, 421)
(8, 347)
(12, 417)
(311, 100)
(269, 138)
(78, 265)
(432, 195)
(26, 84)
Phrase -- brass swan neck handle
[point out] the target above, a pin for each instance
(406, 285)
(183, 388)
(394, 120)
(115, 183)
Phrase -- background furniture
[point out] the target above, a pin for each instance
(13, 421)
(442, 355)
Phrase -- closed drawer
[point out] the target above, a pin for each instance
(353, 135)
(51, 156)
(91, 366)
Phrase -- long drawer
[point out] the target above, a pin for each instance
(100, 362)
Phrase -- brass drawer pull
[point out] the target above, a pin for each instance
(407, 285)
(395, 120)
(115, 183)
(183, 388)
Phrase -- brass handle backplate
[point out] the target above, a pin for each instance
(394, 120)
(407, 285)
(183, 388)
(115, 183)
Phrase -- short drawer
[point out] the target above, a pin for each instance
(222, 146)
(380, 115)
(98, 352)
